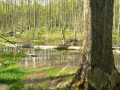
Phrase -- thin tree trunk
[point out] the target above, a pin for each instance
(119, 17)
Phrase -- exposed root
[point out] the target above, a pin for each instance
(95, 80)
(76, 78)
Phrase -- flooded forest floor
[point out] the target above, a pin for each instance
(35, 78)
(48, 69)
(36, 69)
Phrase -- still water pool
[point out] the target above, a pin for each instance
(53, 58)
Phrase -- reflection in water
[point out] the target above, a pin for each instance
(34, 62)
(50, 58)
(26, 61)
(53, 58)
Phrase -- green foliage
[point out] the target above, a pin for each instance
(34, 15)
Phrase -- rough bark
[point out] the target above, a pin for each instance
(97, 70)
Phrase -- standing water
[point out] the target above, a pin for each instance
(50, 59)
(53, 58)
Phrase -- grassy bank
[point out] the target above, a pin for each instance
(10, 71)
(41, 38)
(14, 76)
(45, 38)
(47, 79)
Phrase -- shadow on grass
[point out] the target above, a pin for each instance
(33, 81)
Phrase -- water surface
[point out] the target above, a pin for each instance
(53, 58)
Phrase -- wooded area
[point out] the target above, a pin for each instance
(60, 44)
(36, 17)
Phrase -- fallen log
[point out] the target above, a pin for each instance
(116, 48)
(53, 47)
(116, 51)
(59, 47)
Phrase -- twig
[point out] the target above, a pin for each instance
(58, 74)
(12, 42)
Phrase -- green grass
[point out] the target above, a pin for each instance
(57, 72)
(9, 38)
(5, 54)
(17, 86)
(49, 72)
(40, 37)
(10, 57)
(116, 37)
(32, 70)
(45, 38)
(10, 71)
(11, 74)
(2, 40)
(115, 32)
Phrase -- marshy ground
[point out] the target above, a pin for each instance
(46, 69)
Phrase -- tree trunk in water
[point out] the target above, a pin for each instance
(97, 70)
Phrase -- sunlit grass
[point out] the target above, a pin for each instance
(11, 73)
(57, 72)
(115, 32)
(14, 73)
(1, 40)
(32, 70)
(49, 71)
(116, 37)
(10, 57)
(45, 38)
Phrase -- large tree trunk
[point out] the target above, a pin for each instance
(97, 70)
